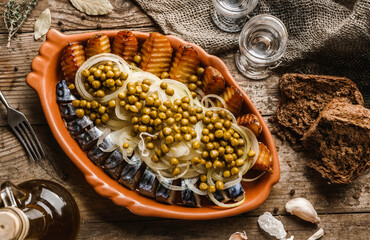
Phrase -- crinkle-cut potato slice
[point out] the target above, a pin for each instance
(264, 160)
(233, 99)
(73, 56)
(250, 121)
(125, 45)
(213, 81)
(99, 43)
(184, 64)
(156, 54)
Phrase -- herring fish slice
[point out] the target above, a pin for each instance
(114, 164)
(148, 183)
(131, 173)
(63, 93)
(89, 138)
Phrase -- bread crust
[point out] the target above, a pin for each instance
(304, 96)
(340, 141)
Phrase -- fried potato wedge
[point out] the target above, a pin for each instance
(213, 81)
(184, 64)
(250, 121)
(73, 56)
(156, 54)
(264, 160)
(99, 43)
(125, 45)
(233, 99)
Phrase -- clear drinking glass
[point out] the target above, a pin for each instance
(231, 15)
(262, 43)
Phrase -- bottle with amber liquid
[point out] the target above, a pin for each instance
(37, 209)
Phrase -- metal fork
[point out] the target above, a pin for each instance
(23, 130)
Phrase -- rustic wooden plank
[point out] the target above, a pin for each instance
(335, 226)
(125, 14)
(344, 210)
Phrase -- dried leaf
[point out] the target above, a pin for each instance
(42, 24)
(93, 7)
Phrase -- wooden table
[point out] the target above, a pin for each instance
(344, 210)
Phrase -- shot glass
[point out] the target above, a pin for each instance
(231, 15)
(262, 43)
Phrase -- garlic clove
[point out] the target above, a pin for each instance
(317, 234)
(303, 209)
(238, 236)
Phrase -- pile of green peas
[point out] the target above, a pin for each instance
(97, 112)
(223, 148)
(194, 81)
(103, 79)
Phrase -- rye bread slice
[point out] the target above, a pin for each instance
(340, 141)
(304, 96)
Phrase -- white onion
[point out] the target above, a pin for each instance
(216, 109)
(154, 166)
(169, 186)
(106, 134)
(234, 182)
(254, 144)
(174, 178)
(181, 89)
(190, 183)
(253, 179)
(225, 205)
(207, 98)
(144, 151)
(122, 65)
(178, 150)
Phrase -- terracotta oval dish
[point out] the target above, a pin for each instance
(46, 74)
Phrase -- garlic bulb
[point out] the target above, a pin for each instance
(303, 209)
(238, 236)
(317, 234)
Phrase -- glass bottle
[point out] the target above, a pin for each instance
(231, 15)
(37, 209)
(262, 43)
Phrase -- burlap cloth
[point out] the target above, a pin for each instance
(325, 36)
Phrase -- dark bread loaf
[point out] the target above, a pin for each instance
(340, 139)
(304, 96)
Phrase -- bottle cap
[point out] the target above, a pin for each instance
(14, 224)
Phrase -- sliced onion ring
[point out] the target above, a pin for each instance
(225, 205)
(122, 65)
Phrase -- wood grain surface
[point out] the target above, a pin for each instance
(344, 210)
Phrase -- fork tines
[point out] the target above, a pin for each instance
(27, 137)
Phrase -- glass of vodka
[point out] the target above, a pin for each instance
(231, 15)
(262, 43)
